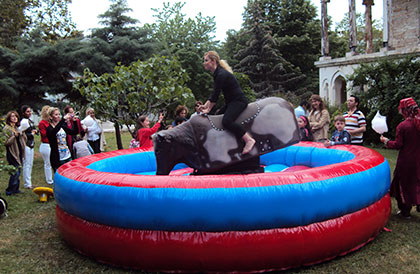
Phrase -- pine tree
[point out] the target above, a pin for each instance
(118, 41)
(298, 32)
(268, 71)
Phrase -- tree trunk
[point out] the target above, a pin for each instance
(368, 25)
(352, 25)
(325, 46)
(118, 135)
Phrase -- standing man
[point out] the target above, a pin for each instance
(302, 109)
(355, 121)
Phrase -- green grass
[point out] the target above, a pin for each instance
(31, 243)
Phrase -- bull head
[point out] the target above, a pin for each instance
(169, 151)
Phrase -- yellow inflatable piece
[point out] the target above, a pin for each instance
(44, 193)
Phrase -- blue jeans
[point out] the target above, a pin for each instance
(14, 182)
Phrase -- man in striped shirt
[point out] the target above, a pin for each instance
(355, 121)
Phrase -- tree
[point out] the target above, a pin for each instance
(188, 40)
(12, 21)
(298, 33)
(144, 87)
(339, 44)
(235, 41)
(118, 41)
(385, 84)
(342, 30)
(37, 70)
(52, 18)
(268, 71)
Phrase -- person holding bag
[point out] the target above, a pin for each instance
(405, 185)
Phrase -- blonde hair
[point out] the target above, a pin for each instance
(89, 110)
(50, 112)
(44, 112)
(214, 56)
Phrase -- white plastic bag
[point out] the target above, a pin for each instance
(379, 123)
(88, 121)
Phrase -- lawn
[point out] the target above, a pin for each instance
(31, 243)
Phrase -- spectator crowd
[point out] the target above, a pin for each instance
(64, 138)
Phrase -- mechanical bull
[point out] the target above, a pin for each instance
(203, 144)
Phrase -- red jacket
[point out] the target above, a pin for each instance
(42, 126)
(144, 136)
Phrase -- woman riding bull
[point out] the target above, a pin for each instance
(235, 99)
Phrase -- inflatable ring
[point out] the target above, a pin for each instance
(255, 222)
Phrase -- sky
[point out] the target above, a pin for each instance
(227, 13)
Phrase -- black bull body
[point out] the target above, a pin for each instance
(205, 146)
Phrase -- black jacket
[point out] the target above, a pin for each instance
(52, 139)
(225, 82)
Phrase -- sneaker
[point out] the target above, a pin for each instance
(29, 187)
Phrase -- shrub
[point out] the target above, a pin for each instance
(386, 83)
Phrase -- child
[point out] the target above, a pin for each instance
(305, 128)
(144, 134)
(81, 148)
(179, 120)
(340, 136)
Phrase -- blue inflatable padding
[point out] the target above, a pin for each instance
(275, 157)
(275, 168)
(145, 162)
(137, 163)
(307, 156)
(129, 163)
(224, 209)
(146, 173)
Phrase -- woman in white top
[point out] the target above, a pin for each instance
(28, 128)
(93, 130)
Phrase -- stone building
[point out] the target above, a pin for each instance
(401, 37)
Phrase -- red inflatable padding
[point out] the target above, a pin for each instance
(296, 168)
(365, 159)
(182, 171)
(234, 251)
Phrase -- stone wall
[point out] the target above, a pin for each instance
(404, 24)
(403, 39)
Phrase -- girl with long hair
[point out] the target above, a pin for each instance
(305, 128)
(235, 100)
(15, 150)
(319, 118)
